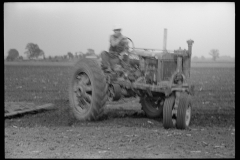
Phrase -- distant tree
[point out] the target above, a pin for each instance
(80, 54)
(70, 55)
(20, 58)
(55, 58)
(202, 58)
(98, 55)
(195, 58)
(61, 58)
(12, 55)
(50, 58)
(77, 55)
(214, 53)
(33, 51)
(65, 57)
(90, 52)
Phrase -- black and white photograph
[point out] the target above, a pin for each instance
(119, 80)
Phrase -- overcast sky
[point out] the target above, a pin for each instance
(63, 27)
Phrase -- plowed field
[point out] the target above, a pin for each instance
(124, 131)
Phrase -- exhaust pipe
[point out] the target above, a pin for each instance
(190, 42)
(187, 60)
(165, 40)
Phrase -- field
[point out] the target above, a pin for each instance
(124, 131)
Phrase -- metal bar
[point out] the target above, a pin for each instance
(179, 64)
(13, 113)
(159, 73)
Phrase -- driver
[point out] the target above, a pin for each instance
(118, 49)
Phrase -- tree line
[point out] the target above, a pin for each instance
(34, 52)
(214, 53)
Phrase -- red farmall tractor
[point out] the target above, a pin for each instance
(160, 78)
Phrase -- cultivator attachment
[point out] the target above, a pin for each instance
(20, 108)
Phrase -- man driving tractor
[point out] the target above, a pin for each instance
(117, 51)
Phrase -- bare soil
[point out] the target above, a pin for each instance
(123, 131)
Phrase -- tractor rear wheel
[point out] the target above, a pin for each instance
(87, 90)
(167, 112)
(184, 111)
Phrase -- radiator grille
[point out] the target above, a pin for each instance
(169, 67)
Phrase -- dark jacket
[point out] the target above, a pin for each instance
(118, 44)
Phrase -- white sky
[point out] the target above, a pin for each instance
(64, 27)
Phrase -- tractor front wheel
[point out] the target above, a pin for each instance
(184, 111)
(167, 112)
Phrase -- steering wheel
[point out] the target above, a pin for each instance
(131, 47)
(132, 54)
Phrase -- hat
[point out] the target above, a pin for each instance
(117, 26)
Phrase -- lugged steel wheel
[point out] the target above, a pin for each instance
(184, 111)
(87, 90)
(167, 112)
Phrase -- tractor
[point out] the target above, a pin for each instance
(159, 78)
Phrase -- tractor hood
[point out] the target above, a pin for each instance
(150, 53)
(147, 53)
